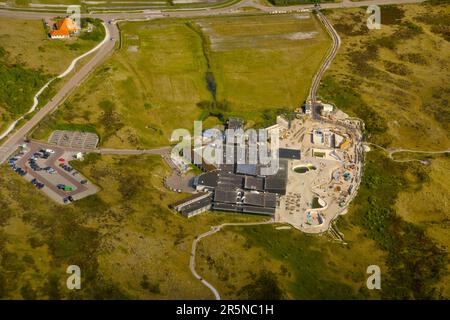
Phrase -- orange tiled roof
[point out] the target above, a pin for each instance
(67, 24)
(59, 33)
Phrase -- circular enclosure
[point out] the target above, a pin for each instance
(304, 168)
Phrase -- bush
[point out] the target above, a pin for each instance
(415, 58)
(415, 262)
(264, 287)
(18, 85)
(397, 68)
(98, 32)
(349, 99)
(391, 15)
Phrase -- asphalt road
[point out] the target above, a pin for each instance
(334, 49)
(17, 137)
(391, 151)
(23, 163)
(148, 14)
(207, 234)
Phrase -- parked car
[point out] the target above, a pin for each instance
(20, 171)
(83, 181)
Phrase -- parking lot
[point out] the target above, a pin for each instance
(49, 170)
(73, 139)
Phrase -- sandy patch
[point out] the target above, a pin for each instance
(133, 49)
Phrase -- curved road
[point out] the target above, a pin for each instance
(334, 49)
(391, 151)
(68, 70)
(213, 230)
(17, 137)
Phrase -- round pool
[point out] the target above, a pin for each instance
(304, 168)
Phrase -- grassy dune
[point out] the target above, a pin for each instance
(394, 78)
(399, 219)
(126, 241)
(302, 266)
(28, 59)
(263, 63)
(154, 83)
(26, 43)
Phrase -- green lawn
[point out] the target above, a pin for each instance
(154, 83)
(393, 78)
(125, 239)
(263, 63)
(399, 219)
(303, 266)
(26, 43)
(28, 59)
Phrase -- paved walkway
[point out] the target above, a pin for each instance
(213, 230)
(391, 151)
(16, 138)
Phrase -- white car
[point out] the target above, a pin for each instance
(50, 150)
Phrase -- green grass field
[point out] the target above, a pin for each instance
(393, 77)
(264, 63)
(26, 43)
(28, 59)
(155, 81)
(151, 85)
(398, 88)
(302, 266)
(126, 241)
(398, 221)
